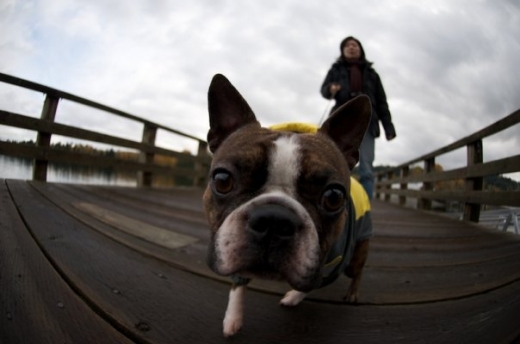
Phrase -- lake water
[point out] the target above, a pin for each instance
(15, 168)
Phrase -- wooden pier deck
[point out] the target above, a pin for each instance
(99, 264)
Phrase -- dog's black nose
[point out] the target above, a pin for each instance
(273, 221)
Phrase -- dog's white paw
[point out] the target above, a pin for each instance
(232, 324)
(292, 298)
(234, 312)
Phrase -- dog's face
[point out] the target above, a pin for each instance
(276, 201)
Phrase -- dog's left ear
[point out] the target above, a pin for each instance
(228, 111)
(347, 126)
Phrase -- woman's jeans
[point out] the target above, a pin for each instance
(366, 159)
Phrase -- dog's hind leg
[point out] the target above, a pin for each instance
(355, 269)
(235, 310)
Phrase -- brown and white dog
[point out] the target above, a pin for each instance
(279, 203)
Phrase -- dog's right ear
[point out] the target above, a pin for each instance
(228, 111)
(347, 127)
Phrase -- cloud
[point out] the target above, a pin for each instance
(448, 67)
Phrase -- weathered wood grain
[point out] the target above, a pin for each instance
(413, 270)
(157, 302)
(36, 305)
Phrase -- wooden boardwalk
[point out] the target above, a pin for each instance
(94, 264)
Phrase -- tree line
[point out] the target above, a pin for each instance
(492, 183)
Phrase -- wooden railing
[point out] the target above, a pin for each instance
(394, 181)
(46, 126)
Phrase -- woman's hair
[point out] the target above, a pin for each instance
(362, 58)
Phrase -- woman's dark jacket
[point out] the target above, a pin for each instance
(372, 87)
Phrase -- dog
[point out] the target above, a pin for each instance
(280, 204)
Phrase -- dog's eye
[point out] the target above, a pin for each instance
(223, 182)
(333, 199)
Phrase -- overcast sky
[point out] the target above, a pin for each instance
(449, 67)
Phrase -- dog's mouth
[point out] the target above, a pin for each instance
(298, 282)
(275, 262)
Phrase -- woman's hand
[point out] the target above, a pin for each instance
(334, 88)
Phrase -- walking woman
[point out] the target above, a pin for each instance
(351, 75)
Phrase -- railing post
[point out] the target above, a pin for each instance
(405, 171)
(426, 203)
(378, 185)
(144, 178)
(475, 156)
(201, 165)
(389, 176)
(43, 140)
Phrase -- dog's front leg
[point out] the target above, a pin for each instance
(235, 310)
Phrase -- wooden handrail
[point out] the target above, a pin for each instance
(492, 129)
(473, 196)
(64, 95)
(46, 126)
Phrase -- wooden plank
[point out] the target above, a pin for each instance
(156, 235)
(164, 304)
(495, 167)
(385, 254)
(190, 258)
(136, 203)
(500, 198)
(408, 222)
(188, 199)
(65, 196)
(439, 244)
(36, 304)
